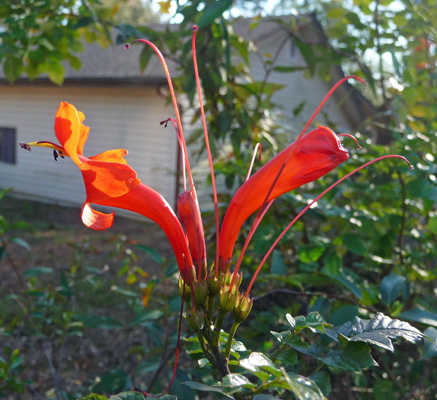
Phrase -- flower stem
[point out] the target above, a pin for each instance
(234, 328)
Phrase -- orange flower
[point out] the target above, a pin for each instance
(109, 181)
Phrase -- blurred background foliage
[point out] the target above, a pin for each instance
(369, 246)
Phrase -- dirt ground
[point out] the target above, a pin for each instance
(57, 239)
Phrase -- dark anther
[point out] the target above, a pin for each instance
(165, 122)
(55, 155)
(25, 146)
(126, 46)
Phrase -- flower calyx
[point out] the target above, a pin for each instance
(242, 308)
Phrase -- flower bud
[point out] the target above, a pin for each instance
(228, 299)
(214, 283)
(200, 290)
(242, 308)
(195, 320)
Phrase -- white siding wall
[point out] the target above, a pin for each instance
(119, 117)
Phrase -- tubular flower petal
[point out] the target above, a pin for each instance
(305, 160)
(110, 181)
(189, 213)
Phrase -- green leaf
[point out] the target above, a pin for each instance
(213, 11)
(115, 381)
(204, 388)
(148, 315)
(379, 331)
(419, 315)
(323, 380)
(128, 396)
(354, 244)
(391, 287)
(432, 225)
(99, 322)
(353, 357)
(153, 253)
(343, 315)
(233, 383)
(32, 272)
(56, 73)
(302, 387)
(430, 345)
(13, 68)
(278, 265)
(257, 363)
(345, 279)
(20, 242)
(314, 322)
(145, 55)
(94, 396)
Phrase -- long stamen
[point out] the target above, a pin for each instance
(322, 103)
(184, 178)
(309, 205)
(352, 137)
(43, 143)
(175, 104)
(258, 146)
(177, 352)
(208, 150)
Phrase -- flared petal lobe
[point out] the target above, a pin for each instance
(306, 160)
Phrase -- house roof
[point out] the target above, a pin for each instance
(116, 65)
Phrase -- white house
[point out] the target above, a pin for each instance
(123, 108)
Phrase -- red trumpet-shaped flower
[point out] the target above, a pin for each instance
(305, 160)
(109, 181)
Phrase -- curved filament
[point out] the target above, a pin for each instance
(181, 146)
(175, 104)
(328, 95)
(258, 146)
(208, 149)
(352, 137)
(305, 209)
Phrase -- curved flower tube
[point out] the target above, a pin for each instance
(109, 181)
(305, 160)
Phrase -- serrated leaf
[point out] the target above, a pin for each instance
(302, 387)
(379, 331)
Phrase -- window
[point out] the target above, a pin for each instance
(7, 145)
